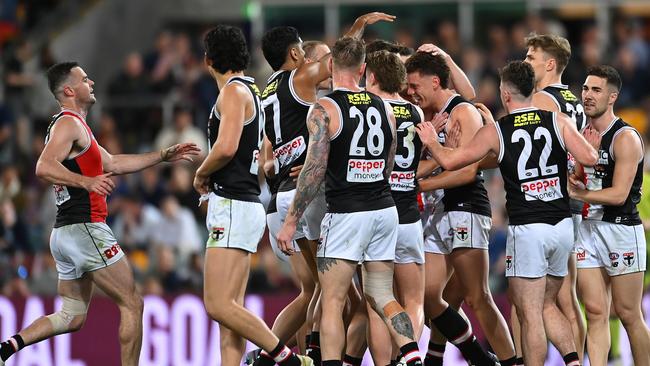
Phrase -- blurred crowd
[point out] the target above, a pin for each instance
(155, 214)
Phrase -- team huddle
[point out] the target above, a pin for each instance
(373, 155)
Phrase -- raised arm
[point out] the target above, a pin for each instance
(62, 138)
(628, 151)
(356, 31)
(457, 77)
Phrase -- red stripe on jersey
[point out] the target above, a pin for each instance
(420, 202)
(90, 164)
(585, 206)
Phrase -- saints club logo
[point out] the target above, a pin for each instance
(628, 259)
(508, 261)
(462, 233)
(217, 233)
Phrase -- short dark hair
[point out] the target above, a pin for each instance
(276, 43)
(558, 47)
(519, 74)
(428, 64)
(348, 52)
(388, 69)
(405, 50)
(225, 46)
(609, 73)
(381, 45)
(57, 74)
(309, 47)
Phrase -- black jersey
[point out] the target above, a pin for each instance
(238, 179)
(407, 158)
(569, 105)
(357, 178)
(601, 176)
(285, 126)
(470, 197)
(532, 160)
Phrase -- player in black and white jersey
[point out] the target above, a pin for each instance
(611, 241)
(531, 147)
(290, 92)
(386, 77)
(352, 146)
(459, 238)
(549, 55)
(235, 217)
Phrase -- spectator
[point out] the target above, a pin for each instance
(183, 130)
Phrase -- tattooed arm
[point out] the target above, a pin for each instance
(311, 176)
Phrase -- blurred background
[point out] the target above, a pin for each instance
(153, 90)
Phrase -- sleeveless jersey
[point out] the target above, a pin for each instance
(356, 178)
(570, 105)
(407, 158)
(238, 179)
(602, 175)
(532, 160)
(77, 205)
(285, 126)
(470, 197)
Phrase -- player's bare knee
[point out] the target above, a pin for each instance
(478, 299)
(596, 311)
(71, 317)
(629, 315)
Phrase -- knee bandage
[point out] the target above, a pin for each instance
(378, 288)
(71, 307)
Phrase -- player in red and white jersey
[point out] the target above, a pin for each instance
(84, 247)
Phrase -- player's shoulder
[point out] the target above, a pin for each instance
(544, 100)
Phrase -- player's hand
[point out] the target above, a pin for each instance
(427, 133)
(101, 184)
(485, 113)
(592, 136)
(295, 172)
(180, 152)
(433, 49)
(452, 139)
(285, 238)
(576, 188)
(439, 121)
(202, 184)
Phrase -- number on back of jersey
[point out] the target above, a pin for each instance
(362, 169)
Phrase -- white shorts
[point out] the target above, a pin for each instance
(359, 236)
(410, 244)
(234, 223)
(274, 222)
(432, 238)
(83, 247)
(309, 225)
(577, 219)
(620, 249)
(537, 250)
(460, 229)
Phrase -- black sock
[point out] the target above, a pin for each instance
(11, 346)
(411, 354)
(351, 361)
(332, 363)
(435, 354)
(457, 331)
(313, 349)
(283, 356)
(520, 361)
(571, 359)
(509, 362)
(264, 359)
(307, 337)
